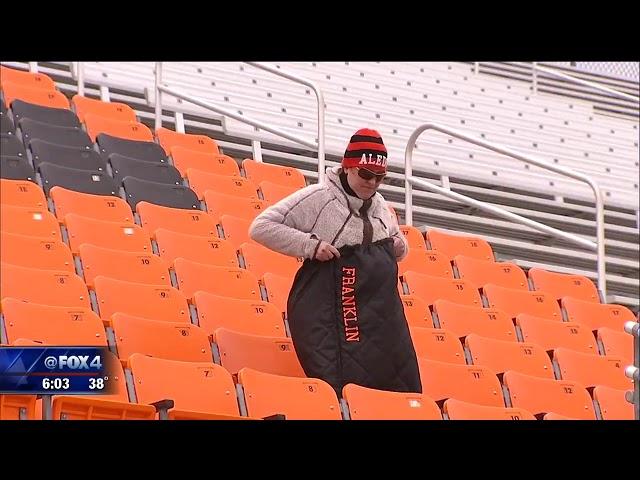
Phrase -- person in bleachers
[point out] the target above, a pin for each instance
(344, 311)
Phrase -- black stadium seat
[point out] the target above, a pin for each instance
(86, 181)
(60, 117)
(10, 146)
(6, 125)
(70, 157)
(16, 168)
(67, 136)
(122, 166)
(176, 196)
(148, 151)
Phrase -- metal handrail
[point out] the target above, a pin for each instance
(161, 88)
(410, 180)
(580, 81)
(633, 371)
(321, 107)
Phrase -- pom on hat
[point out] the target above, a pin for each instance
(366, 150)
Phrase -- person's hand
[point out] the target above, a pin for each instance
(398, 246)
(326, 252)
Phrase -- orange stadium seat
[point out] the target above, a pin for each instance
(170, 139)
(437, 344)
(185, 158)
(550, 334)
(451, 245)
(613, 404)
(209, 250)
(481, 272)
(157, 302)
(469, 383)
(260, 260)
(33, 222)
(555, 416)
(416, 311)
(413, 236)
(21, 193)
(168, 340)
(235, 229)
(464, 320)
(23, 77)
(52, 325)
(426, 262)
(37, 96)
(100, 207)
(616, 344)
(223, 281)
(253, 317)
(501, 356)
(564, 285)
(201, 181)
(430, 289)
(219, 204)
(18, 407)
(112, 406)
(594, 316)
(34, 252)
(199, 390)
(122, 236)
(592, 370)
(190, 222)
(514, 302)
(543, 395)
(47, 287)
(259, 172)
(117, 128)
(113, 110)
(370, 404)
(277, 288)
(273, 192)
(274, 355)
(458, 410)
(296, 398)
(130, 266)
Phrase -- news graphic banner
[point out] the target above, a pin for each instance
(55, 370)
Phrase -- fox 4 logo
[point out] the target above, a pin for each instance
(79, 362)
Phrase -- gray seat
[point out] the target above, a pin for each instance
(10, 146)
(175, 196)
(67, 136)
(140, 150)
(151, 171)
(6, 125)
(70, 157)
(85, 181)
(60, 117)
(15, 168)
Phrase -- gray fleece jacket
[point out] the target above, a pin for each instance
(296, 225)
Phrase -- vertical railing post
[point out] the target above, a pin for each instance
(158, 95)
(408, 174)
(80, 73)
(632, 371)
(321, 160)
(601, 260)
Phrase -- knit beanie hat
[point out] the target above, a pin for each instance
(366, 150)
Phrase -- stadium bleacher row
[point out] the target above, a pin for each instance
(115, 235)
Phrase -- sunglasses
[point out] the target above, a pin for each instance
(368, 175)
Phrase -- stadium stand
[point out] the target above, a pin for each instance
(134, 237)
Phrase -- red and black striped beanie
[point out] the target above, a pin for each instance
(366, 150)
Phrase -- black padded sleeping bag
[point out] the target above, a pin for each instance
(347, 321)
